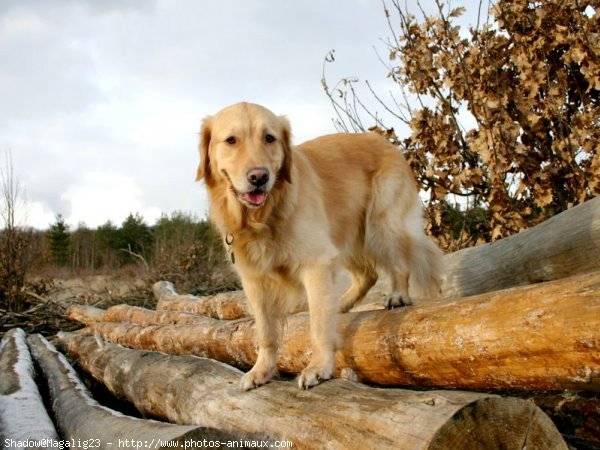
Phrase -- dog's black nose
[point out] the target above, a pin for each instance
(258, 176)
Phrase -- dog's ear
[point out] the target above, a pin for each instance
(204, 167)
(286, 141)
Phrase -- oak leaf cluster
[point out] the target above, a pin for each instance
(504, 118)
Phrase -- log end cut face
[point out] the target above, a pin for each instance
(490, 421)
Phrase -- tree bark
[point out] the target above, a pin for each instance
(539, 337)
(24, 422)
(337, 414)
(565, 245)
(82, 420)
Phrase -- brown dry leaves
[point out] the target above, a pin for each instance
(531, 83)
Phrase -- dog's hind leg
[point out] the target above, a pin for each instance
(399, 296)
(413, 262)
(363, 277)
(418, 270)
(395, 236)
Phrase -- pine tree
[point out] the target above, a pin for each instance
(59, 241)
(134, 239)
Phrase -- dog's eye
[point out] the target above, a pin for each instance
(269, 138)
(231, 140)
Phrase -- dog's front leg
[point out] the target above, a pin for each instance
(323, 308)
(269, 326)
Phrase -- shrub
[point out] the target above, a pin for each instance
(529, 83)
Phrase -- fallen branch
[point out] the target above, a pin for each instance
(539, 337)
(337, 414)
(23, 417)
(47, 318)
(81, 419)
(136, 256)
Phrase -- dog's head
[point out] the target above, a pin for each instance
(248, 147)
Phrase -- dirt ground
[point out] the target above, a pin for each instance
(46, 301)
(98, 288)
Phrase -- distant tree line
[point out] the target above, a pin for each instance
(179, 248)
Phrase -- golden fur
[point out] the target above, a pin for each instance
(340, 201)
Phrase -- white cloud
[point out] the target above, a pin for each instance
(100, 196)
(38, 215)
(102, 100)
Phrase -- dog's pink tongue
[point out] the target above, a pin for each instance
(255, 198)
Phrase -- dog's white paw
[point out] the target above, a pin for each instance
(255, 378)
(396, 300)
(313, 375)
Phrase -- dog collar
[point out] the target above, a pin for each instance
(229, 242)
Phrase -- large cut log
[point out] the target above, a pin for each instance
(24, 422)
(338, 414)
(82, 420)
(565, 245)
(539, 337)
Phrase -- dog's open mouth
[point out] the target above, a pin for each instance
(254, 198)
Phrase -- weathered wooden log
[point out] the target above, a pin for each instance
(82, 420)
(86, 313)
(539, 337)
(24, 422)
(228, 305)
(565, 245)
(338, 414)
(127, 313)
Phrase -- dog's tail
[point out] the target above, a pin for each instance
(426, 268)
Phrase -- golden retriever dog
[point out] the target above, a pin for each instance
(293, 216)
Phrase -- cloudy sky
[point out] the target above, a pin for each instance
(101, 100)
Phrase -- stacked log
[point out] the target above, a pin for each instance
(336, 414)
(82, 420)
(522, 313)
(565, 245)
(227, 305)
(538, 337)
